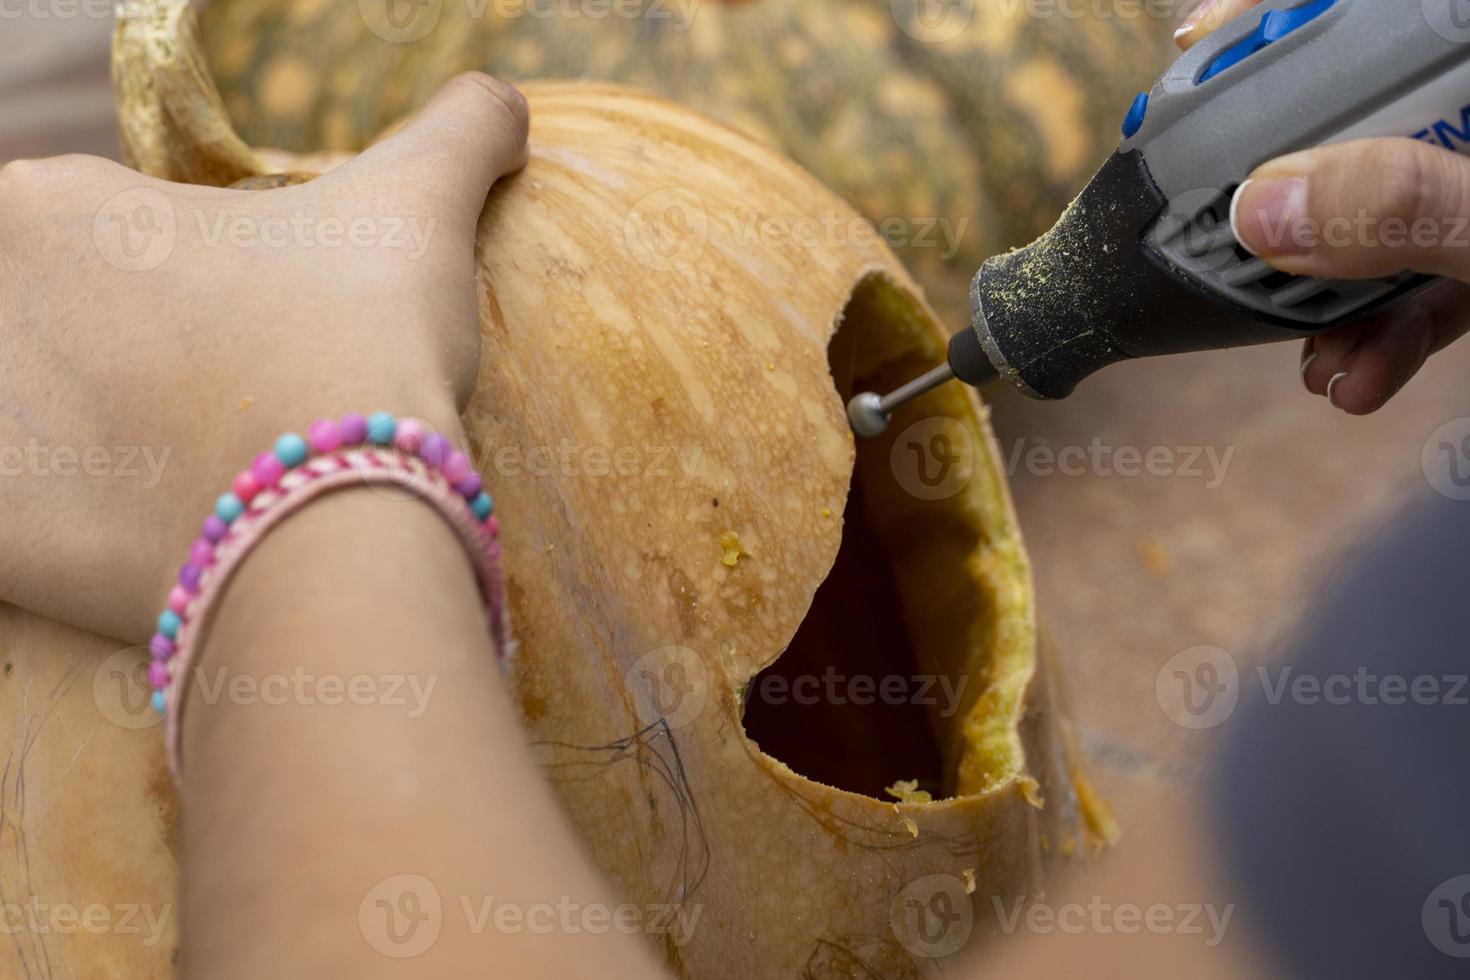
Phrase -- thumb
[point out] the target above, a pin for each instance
(469, 135)
(1360, 210)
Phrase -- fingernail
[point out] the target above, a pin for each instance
(1331, 384)
(1306, 363)
(1269, 217)
(1193, 19)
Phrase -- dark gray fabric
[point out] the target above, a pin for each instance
(1341, 819)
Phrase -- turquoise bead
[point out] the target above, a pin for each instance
(169, 623)
(483, 506)
(291, 450)
(382, 427)
(228, 507)
(160, 703)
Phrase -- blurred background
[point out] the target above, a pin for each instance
(1256, 490)
(54, 91)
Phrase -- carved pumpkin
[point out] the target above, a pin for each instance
(960, 128)
(661, 418)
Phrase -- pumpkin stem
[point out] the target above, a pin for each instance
(172, 119)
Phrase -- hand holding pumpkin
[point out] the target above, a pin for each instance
(1360, 210)
(156, 336)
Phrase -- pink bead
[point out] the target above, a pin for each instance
(178, 599)
(267, 469)
(246, 486)
(410, 436)
(353, 429)
(456, 467)
(492, 525)
(324, 435)
(157, 675)
(201, 552)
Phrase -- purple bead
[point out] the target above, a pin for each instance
(158, 675)
(268, 469)
(470, 487)
(161, 646)
(214, 528)
(435, 449)
(353, 429)
(201, 552)
(189, 576)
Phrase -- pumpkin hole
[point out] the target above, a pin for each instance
(875, 686)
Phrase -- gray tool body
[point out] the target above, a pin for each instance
(1144, 261)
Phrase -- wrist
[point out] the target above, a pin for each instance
(398, 458)
(358, 585)
(198, 477)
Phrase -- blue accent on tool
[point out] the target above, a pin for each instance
(1274, 26)
(1133, 122)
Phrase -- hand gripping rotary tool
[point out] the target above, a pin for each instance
(1144, 262)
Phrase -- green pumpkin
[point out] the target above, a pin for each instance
(960, 128)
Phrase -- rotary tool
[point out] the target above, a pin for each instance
(1144, 262)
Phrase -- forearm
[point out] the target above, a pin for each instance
(393, 752)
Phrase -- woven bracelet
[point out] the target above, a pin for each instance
(354, 451)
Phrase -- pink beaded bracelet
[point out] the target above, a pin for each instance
(354, 451)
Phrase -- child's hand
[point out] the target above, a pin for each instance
(154, 337)
(1361, 210)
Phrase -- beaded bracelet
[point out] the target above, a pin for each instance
(354, 451)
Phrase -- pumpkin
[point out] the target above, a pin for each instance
(691, 536)
(960, 129)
